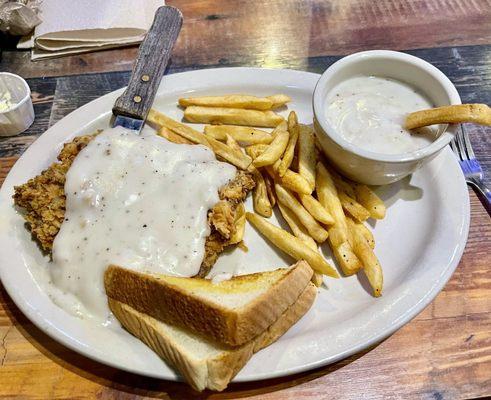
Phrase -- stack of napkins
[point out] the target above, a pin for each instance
(78, 26)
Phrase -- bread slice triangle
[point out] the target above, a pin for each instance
(231, 312)
(205, 364)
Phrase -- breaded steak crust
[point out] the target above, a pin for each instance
(43, 200)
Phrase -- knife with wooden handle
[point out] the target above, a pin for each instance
(132, 107)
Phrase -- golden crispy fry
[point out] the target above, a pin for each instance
(367, 233)
(368, 199)
(328, 197)
(255, 150)
(274, 151)
(287, 158)
(307, 154)
(288, 200)
(338, 234)
(279, 100)
(232, 143)
(270, 189)
(185, 131)
(316, 209)
(240, 220)
(477, 113)
(355, 209)
(238, 159)
(371, 265)
(260, 199)
(172, 137)
(232, 116)
(242, 134)
(347, 259)
(317, 279)
(229, 101)
(291, 245)
(296, 226)
(291, 180)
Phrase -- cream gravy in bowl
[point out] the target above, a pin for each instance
(138, 201)
(369, 112)
(361, 131)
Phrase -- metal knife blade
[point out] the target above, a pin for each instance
(131, 108)
(128, 123)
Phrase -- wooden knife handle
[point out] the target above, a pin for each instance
(150, 65)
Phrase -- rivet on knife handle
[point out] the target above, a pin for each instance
(150, 65)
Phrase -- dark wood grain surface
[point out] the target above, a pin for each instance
(445, 352)
(265, 32)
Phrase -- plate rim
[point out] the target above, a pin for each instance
(376, 338)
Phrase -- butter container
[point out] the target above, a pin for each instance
(16, 111)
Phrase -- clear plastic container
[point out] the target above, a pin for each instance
(16, 111)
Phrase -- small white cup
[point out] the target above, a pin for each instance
(366, 166)
(20, 116)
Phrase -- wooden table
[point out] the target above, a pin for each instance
(445, 352)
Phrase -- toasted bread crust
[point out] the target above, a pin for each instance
(175, 305)
(216, 372)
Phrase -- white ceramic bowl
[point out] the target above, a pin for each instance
(20, 116)
(366, 166)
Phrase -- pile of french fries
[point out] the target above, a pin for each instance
(317, 203)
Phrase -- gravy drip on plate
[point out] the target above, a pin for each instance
(140, 202)
(369, 112)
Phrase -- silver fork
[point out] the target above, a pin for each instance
(461, 145)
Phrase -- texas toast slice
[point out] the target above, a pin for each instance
(231, 312)
(203, 363)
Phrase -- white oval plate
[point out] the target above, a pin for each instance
(419, 245)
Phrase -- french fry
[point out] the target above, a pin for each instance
(185, 131)
(351, 206)
(232, 116)
(307, 154)
(240, 160)
(368, 199)
(229, 101)
(367, 233)
(296, 227)
(371, 265)
(287, 158)
(291, 245)
(477, 113)
(288, 200)
(255, 150)
(328, 197)
(270, 189)
(172, 137)
(242, 134)
(291, 180)
(317, 279)
(316, 209)
(274, 151)
(338, 234)
(279, 100)
(347, 259)
(260, 199)
(240, 220)
(232, 143)
(236, 158)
